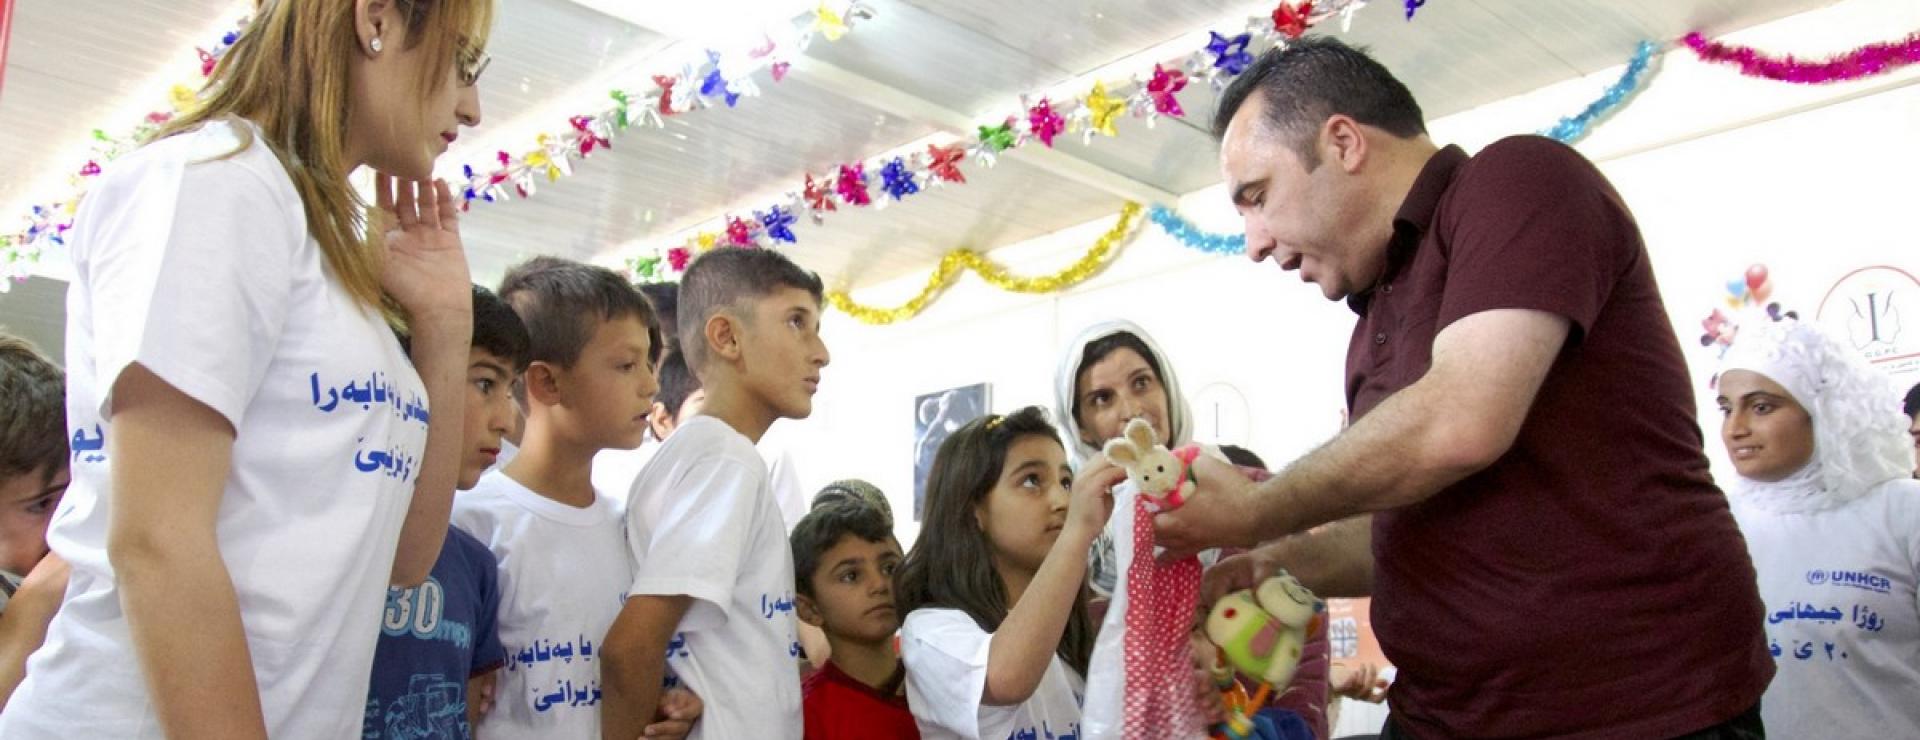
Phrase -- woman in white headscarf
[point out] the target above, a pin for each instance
(1832, 520)
(1112, 373)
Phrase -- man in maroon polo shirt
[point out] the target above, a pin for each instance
(1549, 555)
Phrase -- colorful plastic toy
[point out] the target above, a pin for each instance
(1259, 633)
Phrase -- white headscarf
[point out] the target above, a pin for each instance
(1179, 414)
(1103, 564)
(1859, 434)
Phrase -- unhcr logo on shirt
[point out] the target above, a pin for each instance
(1851, 578)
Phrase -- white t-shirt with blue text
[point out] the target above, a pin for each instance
(192, 258)
(1842, 614)
(563, 577)
(945, 653)
(702, 523)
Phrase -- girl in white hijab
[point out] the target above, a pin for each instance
(1832, 520)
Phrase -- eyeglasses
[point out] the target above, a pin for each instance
(472, 63)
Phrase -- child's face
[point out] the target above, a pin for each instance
(664, 423)
(26, 503)
(1117, 389)
(609, 390)
(1915, 431)
(783, 353)
(1027, 507)
(853, 589)
(691, 407)
(490, 414)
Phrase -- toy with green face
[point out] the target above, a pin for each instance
(1288, 601)
(1262, 631)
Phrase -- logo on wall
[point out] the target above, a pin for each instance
(1876, 310)
(1221, 414)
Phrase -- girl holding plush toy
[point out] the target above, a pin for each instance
(996, 635)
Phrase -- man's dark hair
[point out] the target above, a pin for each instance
(1312, 79)
(727, 279)
(823, 527)
(676, 382)
(1913, 400)
(1242, 457)
(665, 299)
(33, 412)
(563, 303)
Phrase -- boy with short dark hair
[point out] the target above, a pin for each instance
(1912, 407)
(33, 476)
(664, 297)
(563, 557)
(844, 554)
(713, 585)
(681, 397)
(436, 663)
(33, 455)
(615, 469)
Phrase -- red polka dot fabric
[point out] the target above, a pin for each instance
(1161, 602)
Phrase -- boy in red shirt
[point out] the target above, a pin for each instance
(844, 554)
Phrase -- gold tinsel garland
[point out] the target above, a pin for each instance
(995, 275)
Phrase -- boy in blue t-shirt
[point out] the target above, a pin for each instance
(435, 664)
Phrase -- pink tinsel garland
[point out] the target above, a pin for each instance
(1865, 61)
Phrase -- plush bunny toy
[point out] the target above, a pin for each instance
(1164, 476)
(1146, 647)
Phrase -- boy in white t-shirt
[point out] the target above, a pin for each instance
(614, 470)
(33, 476)
(713, 581)
(562, 554)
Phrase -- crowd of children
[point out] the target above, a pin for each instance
(670, 609)
(270, 403)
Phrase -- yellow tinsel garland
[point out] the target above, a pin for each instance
(995, 275)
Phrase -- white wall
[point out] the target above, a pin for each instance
(1219, 319)
(1721, 171)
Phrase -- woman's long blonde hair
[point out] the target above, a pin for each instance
(287, 73)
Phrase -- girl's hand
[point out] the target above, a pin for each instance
(426, 267)
(1206, 690)
(1092, 498)
(1361, 682)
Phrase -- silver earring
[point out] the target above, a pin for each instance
(375, 44)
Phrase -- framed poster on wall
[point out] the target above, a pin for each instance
(935, 416)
